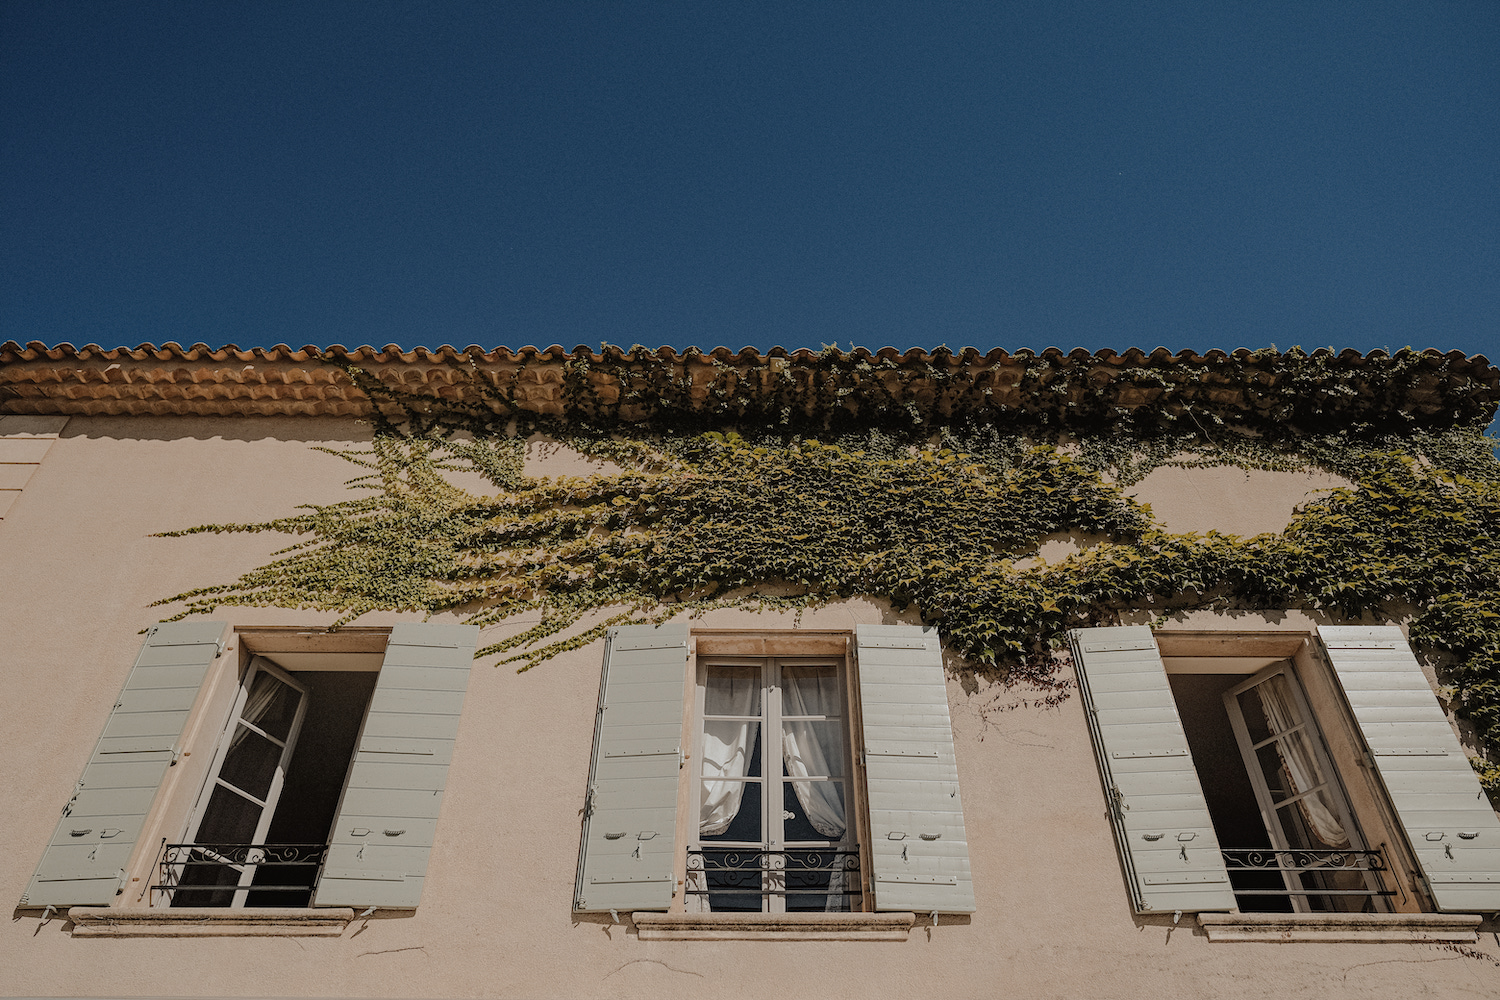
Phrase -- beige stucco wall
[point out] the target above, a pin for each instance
(78, 569)
(1229, 500)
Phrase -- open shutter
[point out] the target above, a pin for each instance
(1167, 842)
(919, 852)
(629, 839)
(382, 837)
(1436, 795)
(86, 859)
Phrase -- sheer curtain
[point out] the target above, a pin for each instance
(263, 694)
(726, 756)
(816, 748)
(726, 747)
(1301, 762)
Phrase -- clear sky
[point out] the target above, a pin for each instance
(1012, 174)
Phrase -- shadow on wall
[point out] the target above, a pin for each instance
(311, 430)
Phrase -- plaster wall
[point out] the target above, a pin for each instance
(79, 569)
(1229, 500)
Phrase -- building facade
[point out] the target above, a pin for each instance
(828, 798)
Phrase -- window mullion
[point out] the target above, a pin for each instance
(770, 770)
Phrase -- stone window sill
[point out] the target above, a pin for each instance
(1367, 927)
(109, 921)
(773, 926)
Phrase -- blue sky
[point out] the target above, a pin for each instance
(992, 174)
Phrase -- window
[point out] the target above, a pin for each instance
(773, 789)
(791, 773)
(1284, 772)
(1289, 840)
(328, 753)
(263, 820)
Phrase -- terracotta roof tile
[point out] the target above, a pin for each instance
(199, 379)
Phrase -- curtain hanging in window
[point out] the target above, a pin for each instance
(727, 746)
(814, 748)
(1300, 761)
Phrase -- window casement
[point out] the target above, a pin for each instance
(772, 783)
(773, 773)
(1226, 794)
(326, 775)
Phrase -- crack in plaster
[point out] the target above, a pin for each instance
(652, 961)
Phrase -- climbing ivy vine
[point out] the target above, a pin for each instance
(941, 515)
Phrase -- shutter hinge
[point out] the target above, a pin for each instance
(120, 882)
(588, 801)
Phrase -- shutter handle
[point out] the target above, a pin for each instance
(1467, 835)
(931, 836)
(394, 833)
(614, 836)
(81, 833)
(1151, 836)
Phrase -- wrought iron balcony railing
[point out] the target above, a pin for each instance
(816, 878)
(225, 874)
(1308, 872)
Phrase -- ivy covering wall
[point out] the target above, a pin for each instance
(783, 500)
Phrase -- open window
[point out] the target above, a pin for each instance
(1284, 772)
(327, 756)
(773, 773)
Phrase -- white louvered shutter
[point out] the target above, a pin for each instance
(383, 835)
(919, 852)
(1161, 820)
(629, 839)
(86, 859)
(1436, 795)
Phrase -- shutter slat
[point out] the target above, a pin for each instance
(1426, 773)
(911, 774)
(1150, 781)
(120, 781)
(400, 770)
(633, 776)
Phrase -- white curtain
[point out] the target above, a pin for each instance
(263, 694)
(814, 748)
(726, 747)
(1300, 762)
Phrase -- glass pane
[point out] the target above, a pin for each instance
(1313, 823)
(251, 762)
(1271, 766)
(1295, 766)
(732, 691)
(811, 690)
(271, 705)
(812, 749)
(812, 811)
(728, 748)
(229, 819)
(731, 811)
(1255, 715)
